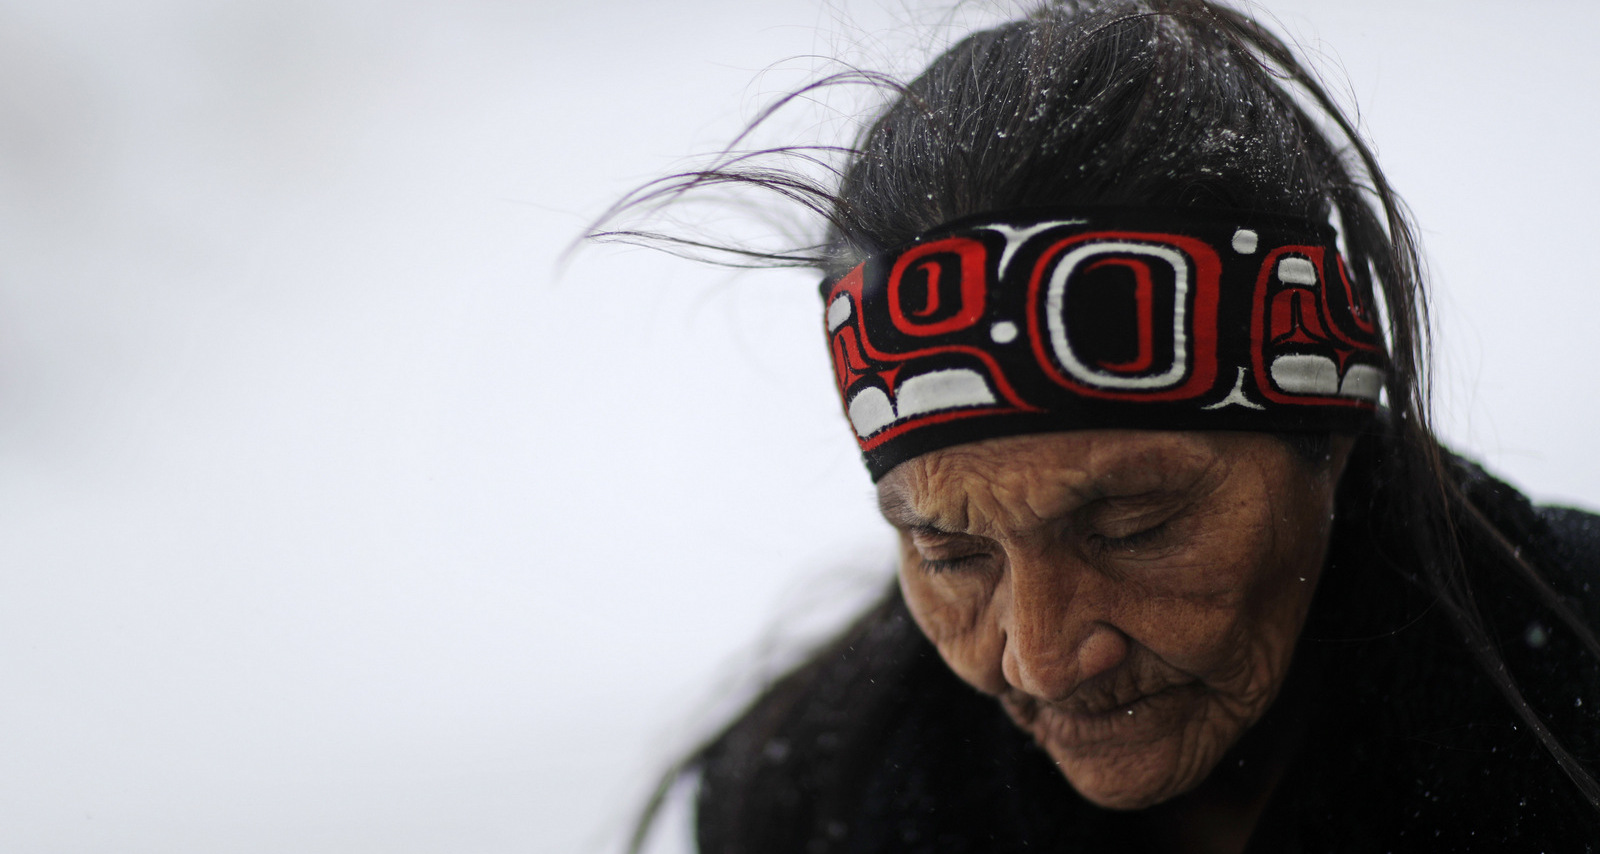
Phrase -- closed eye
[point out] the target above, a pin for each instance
(948, 551)
(1131, 542)
(950, 564)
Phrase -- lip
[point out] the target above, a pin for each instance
(1085, 722)
(1091, 710)
(1130, 707)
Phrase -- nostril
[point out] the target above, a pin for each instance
(1051, 668)
(1040, 667)
(1101, 651)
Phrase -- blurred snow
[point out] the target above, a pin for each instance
(332, 520)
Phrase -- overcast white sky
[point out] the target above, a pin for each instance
(332, 521)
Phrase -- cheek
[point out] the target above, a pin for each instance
(1230, 614)
(1276, 584)
(954, 612)
(1283, 593)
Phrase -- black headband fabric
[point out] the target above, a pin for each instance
(1078, 318)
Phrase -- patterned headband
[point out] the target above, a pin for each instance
(1080, 318)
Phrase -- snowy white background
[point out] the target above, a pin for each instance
(332, 520)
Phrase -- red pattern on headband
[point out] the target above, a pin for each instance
(1106, 317)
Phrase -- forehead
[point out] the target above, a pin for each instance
(1048, 473)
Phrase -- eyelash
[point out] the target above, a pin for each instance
(948, 564)
(1131, 541)
(1102, 544)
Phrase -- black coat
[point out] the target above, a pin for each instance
(874, 746)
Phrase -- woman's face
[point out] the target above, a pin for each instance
(1131, 597)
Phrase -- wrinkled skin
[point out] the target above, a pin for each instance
(1132, 598)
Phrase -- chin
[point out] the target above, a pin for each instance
(1131, 782)
(1124, 761)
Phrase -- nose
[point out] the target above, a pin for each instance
(1057, 634)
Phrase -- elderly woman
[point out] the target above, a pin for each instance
(1127, 324)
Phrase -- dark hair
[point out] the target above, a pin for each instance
(1166, 102)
